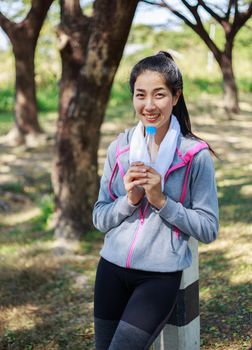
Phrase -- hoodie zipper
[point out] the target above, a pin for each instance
(139, 229)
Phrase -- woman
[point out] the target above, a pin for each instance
(149, 212)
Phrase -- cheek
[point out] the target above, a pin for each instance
(166, 106)
(137, 105)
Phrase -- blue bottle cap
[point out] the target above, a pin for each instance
(151, 130)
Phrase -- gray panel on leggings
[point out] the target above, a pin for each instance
(128, 337)
(104, 332)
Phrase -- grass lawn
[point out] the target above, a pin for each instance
(46, 288)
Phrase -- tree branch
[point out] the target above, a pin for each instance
(219, 9)
(194, 12)
(176, 13)
(198, 28)
(230, 4)
(36, 16)
(6, 24)
(240, 19)
(236, 7)
(210, 11)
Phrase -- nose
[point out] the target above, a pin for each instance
(149, 105)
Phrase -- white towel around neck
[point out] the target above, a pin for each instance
(139, 152)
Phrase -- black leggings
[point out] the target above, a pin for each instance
(131, 306)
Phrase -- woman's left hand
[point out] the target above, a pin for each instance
(153, 188)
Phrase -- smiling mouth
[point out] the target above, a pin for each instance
(151, 118)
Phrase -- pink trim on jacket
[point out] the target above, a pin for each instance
(186, 159)
(132, 247)
(119, 166)
(179, 153)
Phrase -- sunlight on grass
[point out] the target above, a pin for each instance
(29, 249)
(229, 182)
(246, 191)
(18, 218)
(21, 317)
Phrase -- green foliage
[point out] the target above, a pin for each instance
(7, 100)
(189, 51)
(120, 92)
(245, 85)
(194, 87)
(47, 97)
(6, 121)
(46, 205)
(15, 187)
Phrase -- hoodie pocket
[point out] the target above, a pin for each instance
(176, 242)
(172, 234)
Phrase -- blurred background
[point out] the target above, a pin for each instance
(47, 263)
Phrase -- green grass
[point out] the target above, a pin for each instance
(7, 100)
(6, 121)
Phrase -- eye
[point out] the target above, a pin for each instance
(140, 95)
(159, 95)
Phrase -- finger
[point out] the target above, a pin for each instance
(132, 185)
(137, 163)
(147, 187)
(139, 182)
(154, 177)
(137, 175)
(152, 171)
(138, 169)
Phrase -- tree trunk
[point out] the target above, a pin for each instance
(91, 52)
(231, 100)
(24, 36)
(26, 117)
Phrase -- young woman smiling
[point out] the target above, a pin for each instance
(150, 212)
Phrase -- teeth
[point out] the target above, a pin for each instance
(152, 117)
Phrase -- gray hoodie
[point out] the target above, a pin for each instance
(142, 237)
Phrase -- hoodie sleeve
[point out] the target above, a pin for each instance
(201, 220)
(109, 213)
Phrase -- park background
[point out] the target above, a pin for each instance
(46, 293)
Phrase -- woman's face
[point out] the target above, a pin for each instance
(153, 101)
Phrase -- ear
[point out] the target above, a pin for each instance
(176, 97)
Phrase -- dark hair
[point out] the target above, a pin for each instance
(164, 64)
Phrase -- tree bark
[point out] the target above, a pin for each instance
(23, 37)
(26, 117)
(231, 101)
(91, 49)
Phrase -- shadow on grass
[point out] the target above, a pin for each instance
(24, 285)
(46, 309)
(235, 206)
(23, 236)
(224, 306)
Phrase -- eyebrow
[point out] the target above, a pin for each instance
(157, 89)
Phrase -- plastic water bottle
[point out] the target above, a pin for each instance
(150, 132)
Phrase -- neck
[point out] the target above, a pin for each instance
(161, 132)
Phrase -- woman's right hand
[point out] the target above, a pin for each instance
(135, 177)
